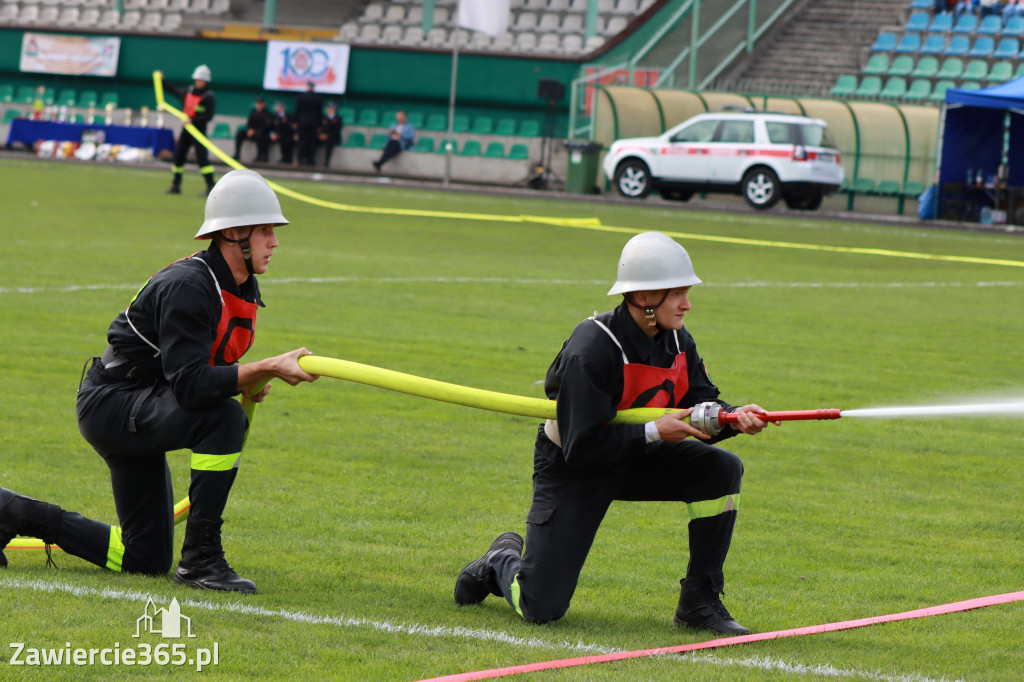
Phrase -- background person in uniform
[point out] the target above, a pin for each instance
(257, 128)
(401, 136)
(198, 104)
(167, 381)
(283, 131)
(330, 131)
(638, 355)
(309, 114)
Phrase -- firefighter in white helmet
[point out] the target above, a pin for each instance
(197, 102)
(167, 381)
(638, 355)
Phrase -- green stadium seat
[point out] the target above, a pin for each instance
(495, 150)
(49, 96)
(862, 186)
(1000, 72)
(529, 128)
(378, 141)
(976, 70)
(108, 98)
(222, 131)
(78, 118)
(355, 141)
(471, 148)
(6, 93)
(387, 118)
(415, 118)
(519, 152)
(505, 126)
(25, 94)
(348, 115)
(926, 67)
(86, 99)
(424, 145)
(970, 85)
(939, 91)
(952, 68)
(918, 90)
(888, 188)
(368, 118)
(442, 146)
(66, 98)
(901, 66)
(10, 115)
(894, 88)
(845, 85)
(482, 125)
(912, 189)
(1019, 73)
(869, 87)
(877, 65)
(436, 123)
(460, 123)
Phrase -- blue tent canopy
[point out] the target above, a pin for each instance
(973, 135)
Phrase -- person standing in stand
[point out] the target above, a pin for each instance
(198, 104)
(309, 113)
(330, 131)
(283, 131)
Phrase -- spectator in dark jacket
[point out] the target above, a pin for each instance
(283, 131)
(257, 129)
(309, 112)
(330, 131)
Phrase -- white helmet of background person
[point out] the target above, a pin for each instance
(202, 73)
(652, 261)
(240, 198)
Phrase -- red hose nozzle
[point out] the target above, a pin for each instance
(711, 418)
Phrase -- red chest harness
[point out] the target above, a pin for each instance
(236, 329)
(647, 386)
(190, 104)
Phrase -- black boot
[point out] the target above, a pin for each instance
(20, 515)
(700, 607)
(476, 580)
(203, 565)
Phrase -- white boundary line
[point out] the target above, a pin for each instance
(73, 288)
(759, 662)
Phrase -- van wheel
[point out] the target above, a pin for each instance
(761, 188)
(633, 179)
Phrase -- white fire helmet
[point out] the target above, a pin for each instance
(202, 73)
(652, 261)
(240, 198)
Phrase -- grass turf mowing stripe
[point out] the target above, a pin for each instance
(759, 662)
(953, 607)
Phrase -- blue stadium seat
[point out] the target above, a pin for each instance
(983, 47)
(934, 44)
(922, 4)
(1007, 49)
(958, 46)
(885, 42)
(918, 22)
(967, 23)
(910, 42)
(1014, 26)
(942, 23)
(991, 25)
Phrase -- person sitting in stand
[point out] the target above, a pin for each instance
(1012, 8)
(991, 7)
(401, 136)
(330, 131)
(257, 129)
(283, 131)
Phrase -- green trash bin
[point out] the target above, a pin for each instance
(582, 171)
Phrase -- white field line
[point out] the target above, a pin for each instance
(73, 288)
(760, 662)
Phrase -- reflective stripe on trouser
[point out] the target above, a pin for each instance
(206, 170)
(115, 551)
(706, 508)
(215, 462)
(177, 170)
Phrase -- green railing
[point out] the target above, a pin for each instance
(694, 43)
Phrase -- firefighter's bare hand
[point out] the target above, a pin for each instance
(748, 423)
(286, 367)
(672, 428)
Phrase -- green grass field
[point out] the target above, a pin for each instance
(355, 507)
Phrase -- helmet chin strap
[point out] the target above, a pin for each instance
(649, 310)
(243, 245)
